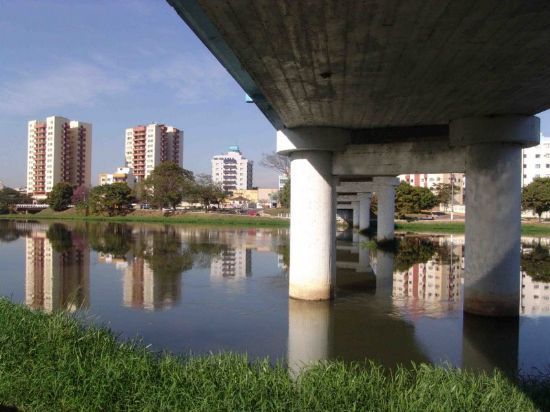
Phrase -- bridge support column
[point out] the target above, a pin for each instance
(312, 225)
(364, 210)
(385, 190)
(356, 218)
(493, 209)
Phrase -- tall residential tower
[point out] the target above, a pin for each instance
(59, 150)
(150, 145)
(232, 170)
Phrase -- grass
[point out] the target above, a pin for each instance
(458, 227)
(188, 219)
(52, 362)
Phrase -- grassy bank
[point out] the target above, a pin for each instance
(458, 227)
(50, 362)
(187, 218)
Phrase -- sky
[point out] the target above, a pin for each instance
(117, 64)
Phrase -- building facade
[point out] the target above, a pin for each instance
(232, 170)
(59, 150)
(536, 161)
(122, 175)
(147, 146)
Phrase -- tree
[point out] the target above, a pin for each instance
(140, 192)
(444, 192)
(536, 196)
(168, 184)
(412, 199)
(60, 196)
(80, 195)
(277, 162)
(206, 191)
(10, 197)
(284, 195)
(427, 199)
(114, 199)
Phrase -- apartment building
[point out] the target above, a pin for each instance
(232, 170)
(147, 146)
(122, 175)
(59, 150)
(536, 161)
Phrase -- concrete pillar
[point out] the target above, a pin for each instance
(308, 333)
(384, 272)
(312, 225)
(493, 209)
(385, 190)
(364, 210)
(355, 206)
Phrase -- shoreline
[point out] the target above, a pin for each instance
(185, 219)
(53, 362)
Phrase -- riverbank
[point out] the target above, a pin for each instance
(51, 362)
(458, 227)
(190, 218)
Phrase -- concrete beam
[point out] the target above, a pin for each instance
(399, 158)
(355, 187)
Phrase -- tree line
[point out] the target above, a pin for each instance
(166, 187)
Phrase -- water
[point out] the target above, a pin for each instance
(200, 290)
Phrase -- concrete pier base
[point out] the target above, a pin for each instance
(385, 190)
(364, 210)
(312, 226)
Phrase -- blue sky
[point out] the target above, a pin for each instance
(116, 64)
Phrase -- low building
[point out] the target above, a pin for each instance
(429, 180)
(122, 175)
(282, 181)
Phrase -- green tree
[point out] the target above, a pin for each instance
(169, 184)
(444, 192)
(60, 196)
(140, 192)
(536, 196)
(206, 191)
(412, 199)
(9, 198)
(427, 199)
(114, 199)
(284, 195)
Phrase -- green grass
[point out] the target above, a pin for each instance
(51, 362)
(188, 219)
(458, 227)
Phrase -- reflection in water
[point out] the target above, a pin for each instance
(209, 289)
(308, 333)
(57, 270)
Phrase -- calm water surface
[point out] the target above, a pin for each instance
(200, 290)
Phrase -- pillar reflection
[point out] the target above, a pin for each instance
(308, 333)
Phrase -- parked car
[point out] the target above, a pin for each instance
(252, 212)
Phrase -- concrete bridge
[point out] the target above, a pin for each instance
(370, 90)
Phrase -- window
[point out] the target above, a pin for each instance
(537, 166)
(525, 166)
(537, 156)
(524, 156)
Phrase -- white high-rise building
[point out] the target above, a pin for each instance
(122, 175)
(232, 170)
(59, 150)
(536, 161)
(148, 146)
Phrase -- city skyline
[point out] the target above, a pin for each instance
(114, 73)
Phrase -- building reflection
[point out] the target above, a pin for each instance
(56, 277)
(235, 262)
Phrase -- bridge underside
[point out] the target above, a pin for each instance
(373, 89)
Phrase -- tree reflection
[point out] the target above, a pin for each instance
(535, 261)
(9, 232)
(110, 238)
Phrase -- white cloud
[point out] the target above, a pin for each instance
(69, 84)
(193, 78)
